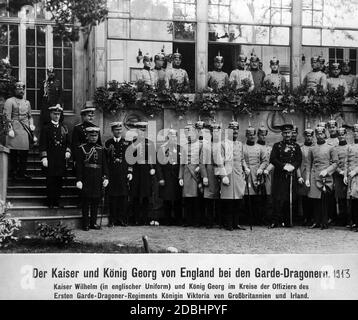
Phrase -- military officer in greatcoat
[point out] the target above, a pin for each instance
(232, 172)
(266, 177)
(286, 156)
(257, 75)
(92, 176)
(178, 77)
(340, 189)
(189, 175)
(51, 95)
(315, 77)
(275, 78)
(351, 179)
(55, 151)
(218, 79)
(307, 207)
(147, 76)
(322, 162)
(208, 169)
(79, 134)
(168, 162)
(335, 81)
(257, 160)
(241, 75)
(119, 175)
(351, 79)
(143, 159)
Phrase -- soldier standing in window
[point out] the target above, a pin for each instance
(335, 81)
(92, 175)
(146, 76)
(18, 112)
(55, 151)
(240, 75)
(257, 75)
(119, 175)
(275, 78)
(218, 78)
(286, 156)
(178, 77)
(351, 80)
(51, 95)
(315, 77)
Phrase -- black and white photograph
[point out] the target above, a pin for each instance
(199, 132)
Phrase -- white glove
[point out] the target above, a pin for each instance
(162, 183)
(341, 172)
(67, 155)
(300, 180)
(308, 184)
(11, 134)
(288, 167)
(266, 173)
(129, 177)
(345, 180)
(32, 127)
(197, 169)
(226, 181)
(152, 172)
(181, 182)
(105, 183)
(79, 185)
(259, 172)
(247, 171)
(323, 173)
(351, 174)
(45, 162)
(205, 181)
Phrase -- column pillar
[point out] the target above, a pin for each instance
(201, 63)
(296, 43)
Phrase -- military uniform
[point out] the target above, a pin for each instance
(54, 143)
(118, 171)
(335, 83)
(314, 78)
(92, 171)
(352, 82)
(258, 77)
(284, 152)
(178, 77)
(148, 77)
(217, 78)
(321, 157)
(168, 163)
(256, 160)
(239, 75)
(352, 167)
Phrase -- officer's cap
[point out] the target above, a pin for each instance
(116, 124)
(147, 57)
(159, 56)
(332, 123)
(250, 130)
(177, 54)
(315, 59)
(189, 125)
(274, 61)
(342, 131)
(219, 58)
(346, 63)
(199, 125)
(234, 125)
(56, 108)
(263, 130)
(88, 107)
(242, 57)
(320, 129)
(286, 127)
(308, 132)
(92, 130)
(335, 66)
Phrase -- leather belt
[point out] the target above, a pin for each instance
(92, 165)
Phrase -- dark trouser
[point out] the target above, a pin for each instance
(140, 210)
(332, 207)
(230, 212)
(54, 187)
(89, 207)
(18, 159)
(267, 209)
(210, 208)
(307, 208)
(169, 206)
(118, 210)
(255, 204)
(343, 212)
(282, 212)
(321, 209)
(191, 211)
(354, 211)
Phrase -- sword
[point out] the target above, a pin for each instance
(291, 178)
(249, 200)
(102, 206)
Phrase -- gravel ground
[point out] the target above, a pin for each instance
(258, 241)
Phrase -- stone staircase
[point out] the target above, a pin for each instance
(28, 198)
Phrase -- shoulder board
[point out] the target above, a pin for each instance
(82, 145)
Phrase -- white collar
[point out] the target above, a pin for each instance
(117, 139)
(55, 123)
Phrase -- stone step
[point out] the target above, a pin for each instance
(40, 200)
(37, 190)
(38, 171)
(40, 180)
(32, 212)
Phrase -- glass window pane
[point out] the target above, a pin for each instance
(30, 36)
(3, 52)
(67, 79)
(286, 17)
(218, 32)
(118, 28)
(184, 31)
(213, 14)
(30, 95)
(343, 38)
(3, 8)
(247, 11)
(67, 98)
(58, 73)
(3, 34)
(57, 58)
(307, 4)
(67, 44)
(67, 58)
(286, 3)
(150, 30)
(14, 56)
(317, 4)
(57, 42)
(317, 18)
(280, 36)
(39, 99)
(41, 36)
(352, 54)
(340, 13)
(276, 16)
(15, 73)
(30, 56)
(311, 37)
(30, 78)
(224, 14)
(41, 76)
(41, 57)
(262, 35)
(307, 18)
(152, 9)
(14, 35)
